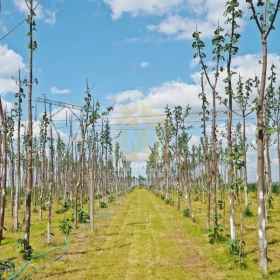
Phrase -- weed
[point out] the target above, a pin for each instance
(44, 207)
(236, 252)
(6, 266)
(247, 212)
(169, 201)
(215, 234)
(187, 212)
(26, 250)
(65, 226)
(220, 203)
(83, 216)
(65, 207)
(269, 202)
(103, 204)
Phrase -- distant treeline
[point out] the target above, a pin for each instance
(252, 187)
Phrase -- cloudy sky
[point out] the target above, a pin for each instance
(137, 53)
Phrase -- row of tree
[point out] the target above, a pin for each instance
(41, 168)
(208, 165)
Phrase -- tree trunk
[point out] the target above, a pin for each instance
(245, 163)
(261, 182)
(4, 170)
(30, 132)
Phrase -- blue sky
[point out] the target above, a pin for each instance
(134, 51)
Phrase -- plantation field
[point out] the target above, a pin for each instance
(143, 238)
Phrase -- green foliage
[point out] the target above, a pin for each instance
(252, 187)
(65, 226)
(169, 201)
(103, 204)
(248, 212)
(111, 199)
(236, 251)
(26, 250)
(44, 207)
(276, 188)
(6, 266)
(269, 202)
(98, 196)
(65, 207)
(45, 233)
(196, 198)
(220, 203)
(83, 216)
(131, 190)
(187, 213)
(215, 234)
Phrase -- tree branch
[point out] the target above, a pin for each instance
(255, 17)
(273, 19)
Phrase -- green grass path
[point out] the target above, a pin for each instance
(145, 239)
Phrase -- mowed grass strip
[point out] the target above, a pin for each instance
(147, 239)
(143, 240)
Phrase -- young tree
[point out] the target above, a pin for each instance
(199, 46)
(3, 118)
(18, 111)
(32, 47)
(265, 23)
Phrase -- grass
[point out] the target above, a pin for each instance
(145, 239)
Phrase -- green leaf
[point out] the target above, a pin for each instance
(270, 130)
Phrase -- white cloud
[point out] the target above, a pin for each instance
(126, 96)
(7, 86)
(181, 93)
(136, 7)
(205, 16)
(7, 106)
(3, 27)
(36, 130)
(144, 64)
(55, 90)
(10, 63)
(46, 15)
(63, 114)
(181, 28)
(50, 17)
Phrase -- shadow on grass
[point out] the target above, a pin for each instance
(65, 272)
(110, 248)
(109, 234)
(270, 227)
(135, 223)
(77, 253)
(274, 272)
(273, 241)
(250, 252)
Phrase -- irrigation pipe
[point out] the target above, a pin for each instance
(40, 255)
(107, 215)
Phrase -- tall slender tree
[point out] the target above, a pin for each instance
(265, 23)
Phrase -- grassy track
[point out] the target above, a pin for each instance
(144, 239)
